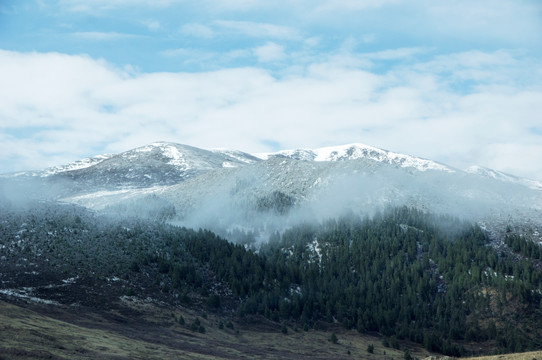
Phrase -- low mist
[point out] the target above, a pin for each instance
(20, 191)
(333, 195)
(253, 202)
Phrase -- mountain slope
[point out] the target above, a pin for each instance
(499, 175)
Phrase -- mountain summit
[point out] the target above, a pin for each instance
(159, 163)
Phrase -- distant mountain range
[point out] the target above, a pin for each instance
(229, 189)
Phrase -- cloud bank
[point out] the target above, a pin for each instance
(57, 108)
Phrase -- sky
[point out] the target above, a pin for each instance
(455, 81)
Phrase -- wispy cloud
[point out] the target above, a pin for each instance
(325, 6)
(309, 5)
(239, 4)
(256, 29)
(189, 55)
(152, 25)
(270, 52)
(107, 5)
(407, 109)
(198, 30)
(510, 21)
(207, 59)
(104, 36)
(394, 54)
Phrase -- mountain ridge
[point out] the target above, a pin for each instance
(234, 158)
(231, 188)
(356, 151)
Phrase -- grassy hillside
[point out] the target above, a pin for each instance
(143, 331)
(533, 355)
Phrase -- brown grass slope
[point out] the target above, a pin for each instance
(533, 355)
(145, 331)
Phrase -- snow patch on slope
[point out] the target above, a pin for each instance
(235, 158)
(168, 150)
(177, 158)
(99, 200)
(26, 294)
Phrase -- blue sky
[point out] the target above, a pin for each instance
(456, 81)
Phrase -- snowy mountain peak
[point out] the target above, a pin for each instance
(185, 156)
(360, 151)
(174, 154)
(156, 164)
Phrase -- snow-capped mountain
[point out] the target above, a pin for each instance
(182, 160)
(359, 151)
(230, 188)
(156, 164)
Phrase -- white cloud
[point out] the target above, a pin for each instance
(269, 52)
(510, 22)
(57, 108)
(446, 24)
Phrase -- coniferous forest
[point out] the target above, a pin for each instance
(402, 274)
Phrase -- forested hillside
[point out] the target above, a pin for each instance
(403, 273)
(406, 274)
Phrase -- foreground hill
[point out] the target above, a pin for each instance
(517, 356)
(404, 275)
(148, 332)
